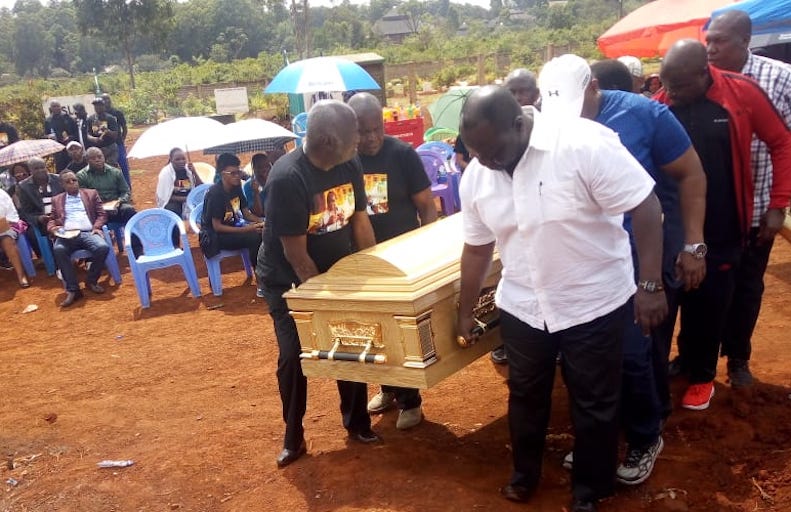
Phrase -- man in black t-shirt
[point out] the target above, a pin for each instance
(103, 133)
(227, 222)
(77, 160)
(399, 200)
(60, 127)
(315, 214)
(122, 133)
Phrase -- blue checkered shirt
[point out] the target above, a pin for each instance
(774, 77)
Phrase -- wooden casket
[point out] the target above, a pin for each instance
(387, 314)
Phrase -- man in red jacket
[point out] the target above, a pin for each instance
(721, 111)
(77, 220)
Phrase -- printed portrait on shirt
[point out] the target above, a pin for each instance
(233, 213)
(332, 209)
(376, 192)
(3, 139)
(99, 127)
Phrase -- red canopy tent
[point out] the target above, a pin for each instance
(650, 30)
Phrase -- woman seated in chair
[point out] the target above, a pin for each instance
(227, 222)
(10, 228)
(176, 180)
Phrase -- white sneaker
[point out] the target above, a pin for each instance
(408, 418)
(381, 402)
(639, 464)
(568, 461)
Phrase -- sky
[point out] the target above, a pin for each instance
(481, 3)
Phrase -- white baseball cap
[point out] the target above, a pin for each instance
(563, 81)
(72, 144)
(633, 64)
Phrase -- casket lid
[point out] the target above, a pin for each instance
(413, 263)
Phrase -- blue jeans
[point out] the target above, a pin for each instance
(63, 249)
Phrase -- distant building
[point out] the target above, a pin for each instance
(394, 26)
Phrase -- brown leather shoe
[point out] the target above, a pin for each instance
(71, 298)
(287, 456)
(95, 287)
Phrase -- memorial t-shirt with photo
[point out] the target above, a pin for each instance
(305, 200)
(391, 178)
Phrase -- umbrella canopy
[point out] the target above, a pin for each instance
(446, 111)
(321, 74)
(768, 16)
(760, 40)
(653, 28)
(251, 135)
(24, 150)
(187, 133)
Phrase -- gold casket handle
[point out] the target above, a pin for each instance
(334, 355)
(479, 330)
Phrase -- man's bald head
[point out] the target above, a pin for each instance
(332, 133)
(728, 40)
(522, 84)
(370, 123)
(492, 125)
(685, 73)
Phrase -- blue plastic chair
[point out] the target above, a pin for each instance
(213, 263)
(118, 232)
(25, 255)
(110, 262)
(299, 125)
(46, 250)
(154, 228)
(196, 195)
(438, 146)
(435, 166)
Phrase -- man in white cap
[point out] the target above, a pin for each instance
(76, 153)
(635, 67)
(551, 194)
(659, 142)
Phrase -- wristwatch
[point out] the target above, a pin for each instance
(698, 251)
(650, 286)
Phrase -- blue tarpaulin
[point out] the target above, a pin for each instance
(768, 16)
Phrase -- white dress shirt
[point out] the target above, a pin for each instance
(558, 223)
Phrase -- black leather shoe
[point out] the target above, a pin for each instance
(499, 356)
(583, 506)
(287, 456)
(516, 493)
(95, 287)
(364, 436)
(71, 298)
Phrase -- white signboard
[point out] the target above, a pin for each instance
(232, 100)
(67, 103)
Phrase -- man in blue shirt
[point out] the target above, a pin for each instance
(658, 141)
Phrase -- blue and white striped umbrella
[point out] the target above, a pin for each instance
(321, 74)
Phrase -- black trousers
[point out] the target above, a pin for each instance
(661, 342)
(406, 398)
(746, 305)
(703, 318)
(293, 384)
(250, 241)
(591, 366)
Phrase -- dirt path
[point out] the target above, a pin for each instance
(189, 393)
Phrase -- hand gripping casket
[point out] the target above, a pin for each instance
(387, 314)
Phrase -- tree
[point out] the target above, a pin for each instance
(124, 23)
(32, 45)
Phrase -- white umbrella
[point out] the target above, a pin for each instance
(321, 74)
(187, 133)
(250, 135)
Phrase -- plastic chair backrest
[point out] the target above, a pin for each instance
(443, 148)
(433, 164)
(299, 124)
(195, 216)
(154, 228)
(196, 195)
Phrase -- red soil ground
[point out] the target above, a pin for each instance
(188, 391)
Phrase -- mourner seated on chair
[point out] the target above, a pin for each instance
(77, 219)
(35, 199)
(110, 184)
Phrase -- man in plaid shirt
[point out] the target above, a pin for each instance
(728, 42)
